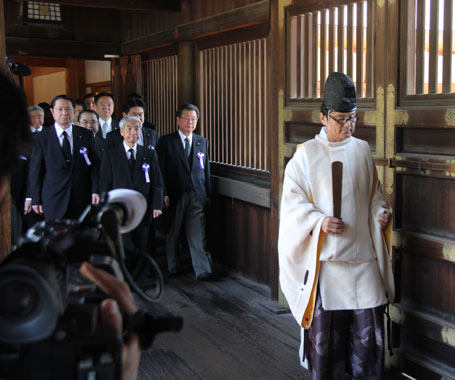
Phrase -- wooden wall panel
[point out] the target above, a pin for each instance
(411, 338)
(139, 24)
(297, 133)
(424, 266)
(417, 273)
(428, 141)
(426, 205)
(237, 235)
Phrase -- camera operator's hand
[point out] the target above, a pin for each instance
(27, 206)
(38, 209)
(95, 199)
(110, 314)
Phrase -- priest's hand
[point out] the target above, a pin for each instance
(384, 219)
(331, 225)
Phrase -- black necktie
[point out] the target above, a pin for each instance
(131, 161)
(187, 147)
(66, 148)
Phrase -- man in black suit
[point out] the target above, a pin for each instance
(184, 163)
(16, 142)
(135, 95)
(18, 189)
(89, 119)
(148, 137)
(36, 115)
(131, 166)
(104, 104)
(64, 166)
(89, 102)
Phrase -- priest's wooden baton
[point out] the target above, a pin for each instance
(337, 182)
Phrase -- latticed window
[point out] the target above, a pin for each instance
(429, 59)
(233, 96)
(39, 12)
(160, 91)
(319, 42)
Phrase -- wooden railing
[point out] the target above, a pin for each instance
(429, 51)
(160, 91)
(233, 97)
(339, 38)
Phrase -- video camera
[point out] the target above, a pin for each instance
(49, 313)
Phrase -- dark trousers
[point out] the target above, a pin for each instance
(345, 341)
(134, 242)
(16, 222)
(188, 212)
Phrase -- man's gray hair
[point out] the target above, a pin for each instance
(35, 108)
(126, 119)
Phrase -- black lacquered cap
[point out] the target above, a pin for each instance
(339, 93)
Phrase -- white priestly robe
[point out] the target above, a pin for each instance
(353, 268)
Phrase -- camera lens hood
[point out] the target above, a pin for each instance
(30, 306)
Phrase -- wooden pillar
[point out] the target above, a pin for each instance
(5, 206)
(186, 80)
(2, 37)
(130, 80)
(117, 87)
(138, 66)
(75, 78)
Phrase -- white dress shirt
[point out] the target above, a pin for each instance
(37, 129)
(69, 132)
(127, 148)
(183, 137)
(105, 129)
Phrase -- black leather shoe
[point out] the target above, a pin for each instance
(205, 276)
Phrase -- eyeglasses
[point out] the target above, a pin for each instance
(350, 120)
(188, 119)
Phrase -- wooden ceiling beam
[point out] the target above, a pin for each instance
(40, 47)
(133, 5)
(246, 16)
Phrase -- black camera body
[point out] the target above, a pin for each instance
(48, 315)
(49, 325)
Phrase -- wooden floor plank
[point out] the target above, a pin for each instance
(228, 334)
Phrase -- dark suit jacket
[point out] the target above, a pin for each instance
(51, 180)
(18, 182)
(114, 124)
(115, 174)
(178, 175)
(150, 137)
(101, 144)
